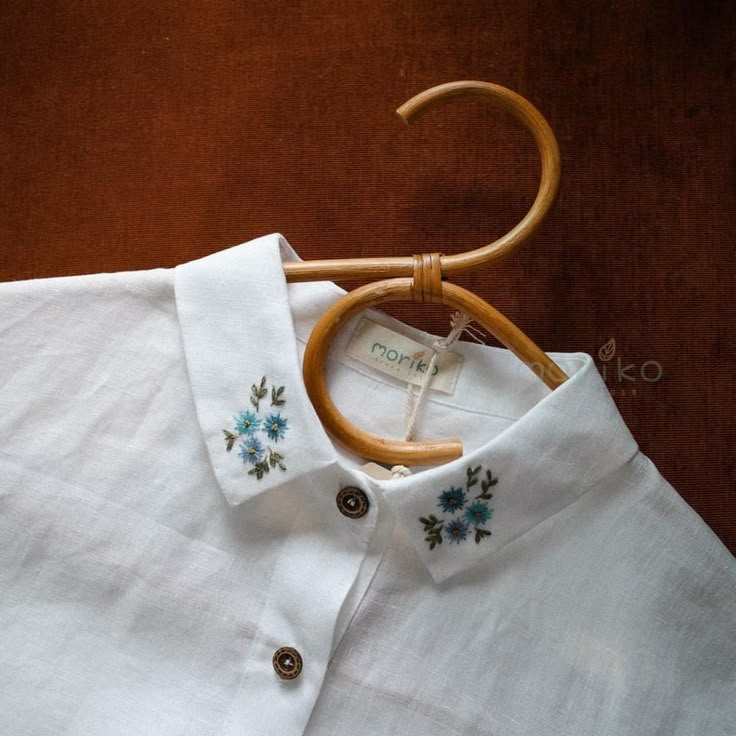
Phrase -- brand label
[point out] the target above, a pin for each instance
(396, 355)
(374, 470)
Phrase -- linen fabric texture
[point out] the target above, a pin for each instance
(168, 520)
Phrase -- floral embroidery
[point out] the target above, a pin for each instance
(254, 431)
(475, 515)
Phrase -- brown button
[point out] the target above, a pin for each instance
(352, 502)
(287, 662)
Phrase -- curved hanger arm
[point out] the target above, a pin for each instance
(522, 110)
(393, 451)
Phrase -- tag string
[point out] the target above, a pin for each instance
(459, 324)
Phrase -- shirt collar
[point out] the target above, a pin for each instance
(240, 324)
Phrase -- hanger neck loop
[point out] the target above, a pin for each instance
(401, 266)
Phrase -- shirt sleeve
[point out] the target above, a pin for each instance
(60, 339)
(50, 331)
(674, 585)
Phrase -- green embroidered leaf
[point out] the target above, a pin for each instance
(480, 534)
(433, 530)
(258, 392)
(229, 439)
(434, 538)
(275, 459)
(486, 484)
(430, 523)
(276, 399)
(472, 476)
(259, 469)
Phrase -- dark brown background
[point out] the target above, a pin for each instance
(136, 135)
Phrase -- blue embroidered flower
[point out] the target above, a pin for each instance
(251, 450)
(478, 513)
(452, 499)
(246, 422)
(456, 530)
(275, 426)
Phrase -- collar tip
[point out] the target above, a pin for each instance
(439, 576)
(235, 499)
(442, 570)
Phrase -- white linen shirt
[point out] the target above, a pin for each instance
(148, 573)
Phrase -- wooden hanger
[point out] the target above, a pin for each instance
(421, 278)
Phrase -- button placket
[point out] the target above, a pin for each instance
(287, 661)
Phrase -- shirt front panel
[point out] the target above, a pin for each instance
(147, 580)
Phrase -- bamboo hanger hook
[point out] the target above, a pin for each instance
(397, 266)
(546, 142)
